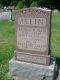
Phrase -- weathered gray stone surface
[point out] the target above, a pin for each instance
(5, 16)
(30, 71)
(17, 78)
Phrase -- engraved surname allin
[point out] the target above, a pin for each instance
(32, 21)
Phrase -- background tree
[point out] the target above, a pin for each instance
(34, 4)
(27, 2)
(20, 5)
(53, 4)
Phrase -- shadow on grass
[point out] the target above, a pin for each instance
(58, 60)
(58, 68)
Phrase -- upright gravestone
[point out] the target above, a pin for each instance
(32, 59)
(33, 35)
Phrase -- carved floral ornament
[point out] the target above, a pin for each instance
(33, 11)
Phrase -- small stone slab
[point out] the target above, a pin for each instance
(31, 71)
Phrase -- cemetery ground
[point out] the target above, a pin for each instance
(8, 43)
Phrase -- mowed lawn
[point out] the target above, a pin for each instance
(8, 43)
(7, 47)
(55, 36)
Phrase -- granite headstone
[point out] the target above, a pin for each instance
(33, 35)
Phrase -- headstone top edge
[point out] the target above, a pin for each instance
(42, 9)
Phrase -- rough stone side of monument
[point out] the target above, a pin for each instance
(30, 71)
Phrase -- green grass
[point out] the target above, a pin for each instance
(55, 39)
(8, 44)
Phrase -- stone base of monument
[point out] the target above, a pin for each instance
(30, 71)
(32, 58)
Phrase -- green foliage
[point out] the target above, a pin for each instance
(5, 2)
(53, 4)
(3, 74)
(15, 2)
(20, 5)
(1, 6)
(27, 3)
(34, 4)
(7, 47)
